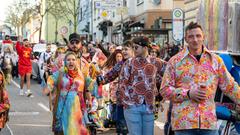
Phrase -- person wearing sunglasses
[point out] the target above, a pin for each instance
(75, 45)
(138, 88)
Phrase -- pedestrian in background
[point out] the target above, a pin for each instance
(190, 83)
(24, 52)
(110, 76)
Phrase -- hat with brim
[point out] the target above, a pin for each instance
(74, 37)
(142, 41)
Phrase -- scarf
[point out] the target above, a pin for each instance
(73, 73)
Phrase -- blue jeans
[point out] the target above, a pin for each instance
(139, 122)
(196, 132)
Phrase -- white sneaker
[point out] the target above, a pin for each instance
(21, 92)
(29, 93)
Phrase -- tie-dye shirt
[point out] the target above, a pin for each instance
(71, 103)
(183, 73)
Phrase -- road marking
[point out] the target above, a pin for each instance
(30, 125)
(159, 124)
(16, 84)
(9, 129)
(44, 107)
(23, 113)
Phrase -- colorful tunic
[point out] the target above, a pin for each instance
(70, 103)
(183, 73)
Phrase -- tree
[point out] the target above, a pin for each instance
(39, 7)
(18, 15)
(58, 12)
(72, 9)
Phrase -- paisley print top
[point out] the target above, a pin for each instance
(138, 82)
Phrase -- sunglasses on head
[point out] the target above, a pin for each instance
(74, 42)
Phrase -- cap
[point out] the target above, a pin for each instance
(142, 41)
(74, 36)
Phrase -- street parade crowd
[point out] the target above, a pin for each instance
(92, 86)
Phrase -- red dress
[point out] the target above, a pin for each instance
(24, 62)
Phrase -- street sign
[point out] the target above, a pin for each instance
(122, 10)
(63, 30)
(108, 4)
(104, 13)
(177, 24)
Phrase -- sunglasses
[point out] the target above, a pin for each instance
(153, 52)
(74, 42)
(135, 47)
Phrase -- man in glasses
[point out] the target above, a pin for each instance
(75, 45)
(24, 65)
(138, 88)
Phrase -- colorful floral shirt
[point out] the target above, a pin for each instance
(183, 73)
(138, 82)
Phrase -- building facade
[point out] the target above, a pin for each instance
(191, 10)
(152, 18)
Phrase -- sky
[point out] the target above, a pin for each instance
(3, 9)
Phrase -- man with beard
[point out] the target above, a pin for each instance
(75, 45)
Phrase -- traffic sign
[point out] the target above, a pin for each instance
(108, 4)
(177, 24)
(122, 10)
(104, 13)
(63, 30)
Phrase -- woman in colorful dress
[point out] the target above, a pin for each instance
(70, 81)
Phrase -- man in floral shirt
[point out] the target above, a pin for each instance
(190, 82)
(138, 88)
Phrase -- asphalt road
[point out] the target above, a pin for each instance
(31, 116)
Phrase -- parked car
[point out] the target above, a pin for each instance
(37, 50)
